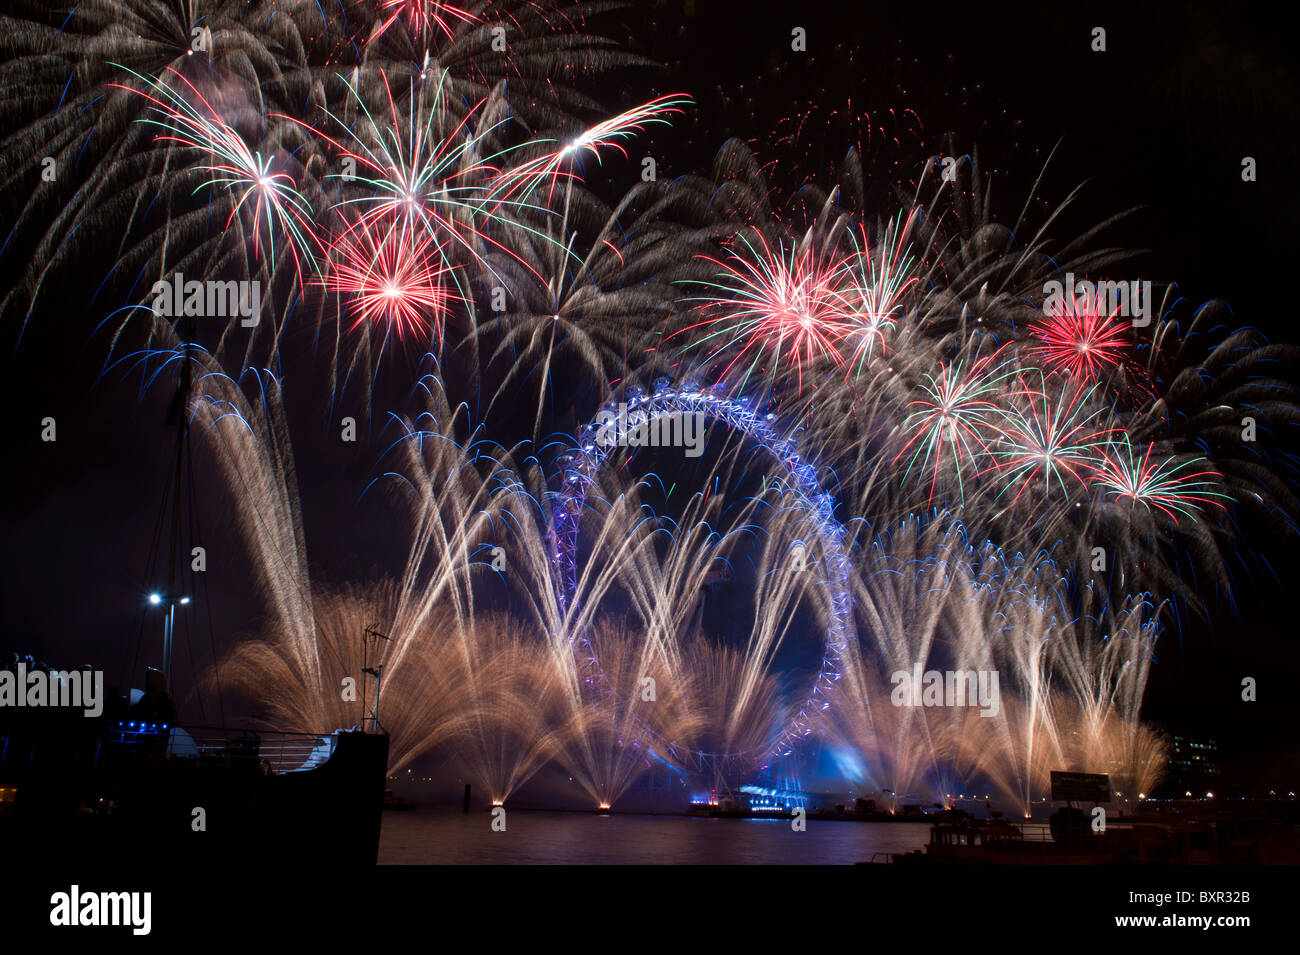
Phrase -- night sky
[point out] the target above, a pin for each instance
(1159, 123)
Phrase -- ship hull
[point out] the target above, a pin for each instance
(193, 814)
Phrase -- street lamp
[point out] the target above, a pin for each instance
(169, 629)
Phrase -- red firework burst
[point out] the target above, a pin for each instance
(1080, 338)
(424, 16)
(392, 275)
(775, 305)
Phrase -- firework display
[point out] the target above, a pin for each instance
(899, 437)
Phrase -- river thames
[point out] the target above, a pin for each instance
(434, 836)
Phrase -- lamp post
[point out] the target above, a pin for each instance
(169, 629)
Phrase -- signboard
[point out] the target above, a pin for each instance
(1081, 787)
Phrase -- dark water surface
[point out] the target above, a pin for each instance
(433, 836)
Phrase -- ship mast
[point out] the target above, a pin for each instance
(369, 635)
(180, 414)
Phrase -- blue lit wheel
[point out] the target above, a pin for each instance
(578, 475)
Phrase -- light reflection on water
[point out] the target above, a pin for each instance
(432, 836)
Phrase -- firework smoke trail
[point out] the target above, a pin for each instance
(659, 567)
(665, 589)
(1070, 686)
(695, 722)
(653, 705)
(572, 290)
(601, 740)
(464, 497)
(486, 687)
(900, 605)
(250, 441)
(276, 204)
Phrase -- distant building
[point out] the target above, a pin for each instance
(1193, 765)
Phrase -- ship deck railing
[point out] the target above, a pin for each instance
(267, 752)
